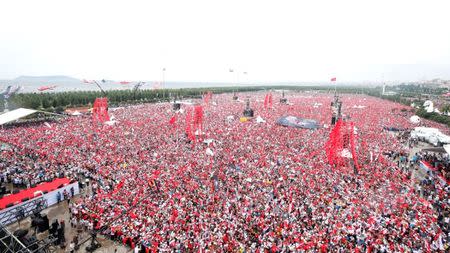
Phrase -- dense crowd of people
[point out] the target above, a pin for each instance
(440, 162)
(241, 186)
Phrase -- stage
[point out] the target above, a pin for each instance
(29, 193)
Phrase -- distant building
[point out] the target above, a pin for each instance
(387, 93)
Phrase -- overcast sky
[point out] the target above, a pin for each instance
(201, 40)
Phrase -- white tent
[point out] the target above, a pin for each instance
(414, 119)
(260, 120)
(447, 148)
(15, 115)
(428, 105)
(76, 113)
(430, 135)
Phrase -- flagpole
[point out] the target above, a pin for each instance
(335, 87)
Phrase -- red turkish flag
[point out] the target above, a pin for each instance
(172, 120)
(333, 79)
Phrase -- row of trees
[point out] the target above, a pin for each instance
(421, 112)
(443, 119)
(59, 101)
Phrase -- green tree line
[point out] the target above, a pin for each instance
(59, 101)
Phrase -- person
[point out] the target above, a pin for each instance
(72, 247)
(282, 193)
(58, 197)
(60, 232)
(54, 228)
(66, 196)
(72, 192)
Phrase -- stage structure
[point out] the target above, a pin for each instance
(235, 97)
(176, 102)
(20, 241)
(283, 100)
(268, 100)
(11, 244)
(100, 109)
(248, 112)
(336, 106)
(207, 97)
(341, 146)
(194, 122)
(198, 118)
(176, 105)
(18, 213)
(136, 87)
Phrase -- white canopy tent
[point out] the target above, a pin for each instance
(447, 148)
(20, 113)
(15, 115)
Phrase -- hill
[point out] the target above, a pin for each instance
(46, 79)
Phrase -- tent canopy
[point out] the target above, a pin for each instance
(15, 115)
(292, 121)
(435, 149)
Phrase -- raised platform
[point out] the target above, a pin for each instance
(24, 195)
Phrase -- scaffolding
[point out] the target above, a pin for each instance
(21, 212)
(11, 244)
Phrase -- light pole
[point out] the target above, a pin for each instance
(245, 78)
(231, 71)
(164, 77)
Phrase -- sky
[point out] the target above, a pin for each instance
(379, 40)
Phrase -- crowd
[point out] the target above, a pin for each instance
(439, 161)
(242, 186)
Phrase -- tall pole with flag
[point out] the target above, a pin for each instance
(335, 105)
(333, 80)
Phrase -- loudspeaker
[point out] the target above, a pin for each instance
(45, 224)
(20, 233)
(41, 223)
(248, 112)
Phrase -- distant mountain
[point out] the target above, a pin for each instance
(46, 79)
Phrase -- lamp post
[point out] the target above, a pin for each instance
(245, 78)
(231, 71)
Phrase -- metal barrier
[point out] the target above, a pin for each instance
(19, 212)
